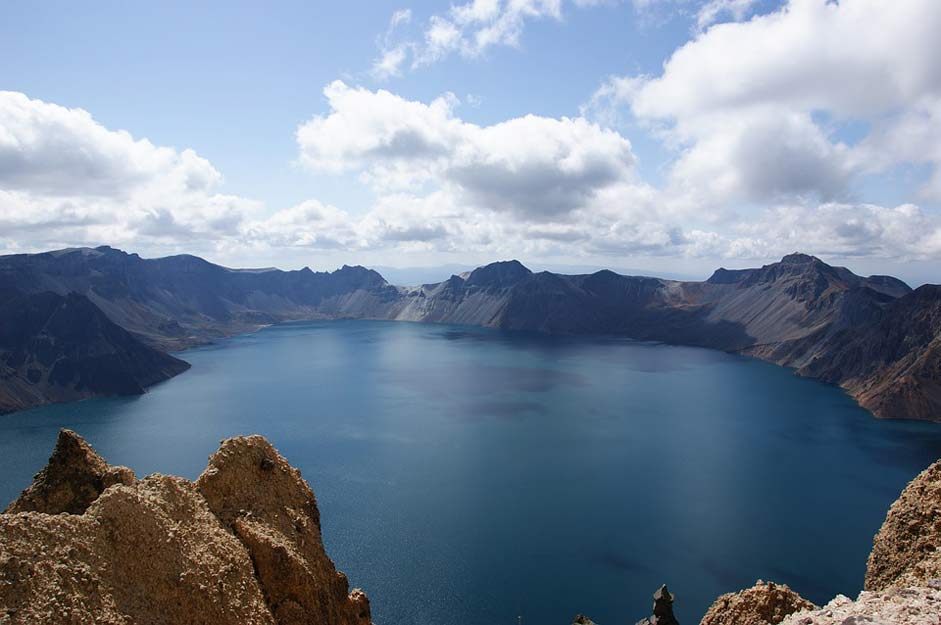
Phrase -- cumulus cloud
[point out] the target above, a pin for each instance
(66, 178)
(548, 186)
(533, 167)
(741, 100)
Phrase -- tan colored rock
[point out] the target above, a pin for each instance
(155, 552)
(272, 510)
(762, 604)
(143, 554)
(894, 606)
(73, 478)
(907, 549)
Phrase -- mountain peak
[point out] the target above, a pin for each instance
(798, 258)
(500, 274)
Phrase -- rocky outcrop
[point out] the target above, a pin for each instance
(895, 606)
(72, 480)
(242, 545)
(903, 575)
(662, 609)
(267, 504)
(763, 604)
(907, 550)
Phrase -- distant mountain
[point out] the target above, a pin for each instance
(62, 347)
(872, 335)
(181, 301)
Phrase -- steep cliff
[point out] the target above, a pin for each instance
(62, 347)
(241, 545)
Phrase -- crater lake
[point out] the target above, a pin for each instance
(470, 476)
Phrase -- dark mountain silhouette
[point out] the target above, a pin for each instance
(62, 347)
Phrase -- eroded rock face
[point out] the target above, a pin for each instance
(763, 604)
(143, 554)
(74, 477)
(157, 551)
(272, 510)
(907, 550)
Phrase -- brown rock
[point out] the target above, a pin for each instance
(907, 549)
(155, 551)
(763, 603)
(272, 510)
(74, 477)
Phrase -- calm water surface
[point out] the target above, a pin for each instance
(466, 476)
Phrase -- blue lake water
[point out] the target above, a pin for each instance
(467, 476)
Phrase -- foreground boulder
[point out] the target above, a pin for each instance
(242, 545)
(266, 503)
(907, 550)
(765, 603)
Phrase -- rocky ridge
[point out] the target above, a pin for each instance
(241, 545)
(873, 335)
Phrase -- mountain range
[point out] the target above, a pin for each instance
(91, 322)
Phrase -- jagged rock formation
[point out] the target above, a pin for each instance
(62, 348)
(907, 550)
(72, 480)
(242, 545)
(271, 509)
(662, 609)
(873, 336)
(763, 603)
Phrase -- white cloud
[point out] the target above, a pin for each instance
(711, 11)
(392, 55)
(533, 167)
(468, 29)
(66, 178)
(742, 101)
(540, 186)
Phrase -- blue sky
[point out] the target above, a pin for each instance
(818, 157)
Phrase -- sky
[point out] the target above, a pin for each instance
(670, 136)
